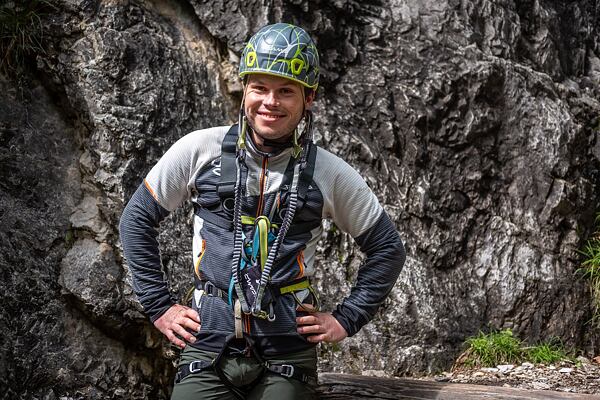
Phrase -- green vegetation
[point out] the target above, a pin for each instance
(590, 270)
(497, 348)
(489, 350)
(21, 32)
(547, 353)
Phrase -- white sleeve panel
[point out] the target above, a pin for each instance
(171, 180)
(348, 201)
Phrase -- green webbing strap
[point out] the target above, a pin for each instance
(246, 220)
(295, 287)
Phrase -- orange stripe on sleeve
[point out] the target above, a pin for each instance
(197, 266)
(150, 189)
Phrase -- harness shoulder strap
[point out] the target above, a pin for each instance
(306, 176)
(226, 184)
(308, 171)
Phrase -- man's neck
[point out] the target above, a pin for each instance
(267, 146)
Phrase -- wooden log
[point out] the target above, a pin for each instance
(346, 387)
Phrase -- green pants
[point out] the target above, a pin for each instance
(242, 371)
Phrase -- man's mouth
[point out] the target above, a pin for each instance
(269, 116)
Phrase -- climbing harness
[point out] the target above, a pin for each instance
(251, 291)
(286, 370)
(252, 264)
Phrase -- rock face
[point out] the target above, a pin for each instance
(475, 122)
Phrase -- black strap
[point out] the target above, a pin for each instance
(214, 219)
(227, 224)
(292, 371)
(226, 185)
(304, 375)
(307, 172)
(306, 177)
(211, 290)
(192, 368)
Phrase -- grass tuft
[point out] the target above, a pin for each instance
(502, 347)
(489, 350)
(21, 32)
(546, 353)
(590, 270)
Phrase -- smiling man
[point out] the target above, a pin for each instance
(260, 190)
(274, 107)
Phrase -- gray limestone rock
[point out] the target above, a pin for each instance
(475, 122)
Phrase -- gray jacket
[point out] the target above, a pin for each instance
(190, 170)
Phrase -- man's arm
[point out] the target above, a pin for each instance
(376, 277)
(165, 188)
(138, 229)
(355, 209)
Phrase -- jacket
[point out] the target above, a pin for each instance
(190, 170)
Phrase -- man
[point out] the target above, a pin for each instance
(260, 190)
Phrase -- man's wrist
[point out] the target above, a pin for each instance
(160, 312)
(343, 322)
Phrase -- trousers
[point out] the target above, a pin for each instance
(242, 371)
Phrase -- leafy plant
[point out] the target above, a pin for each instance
(590, 270)
(21, 32)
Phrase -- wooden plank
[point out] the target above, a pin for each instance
(345, 387)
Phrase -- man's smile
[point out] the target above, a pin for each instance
(270, 116)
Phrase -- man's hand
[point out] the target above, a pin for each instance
(322, 327)
(178, 320)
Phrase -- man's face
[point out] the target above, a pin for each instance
(274, 106)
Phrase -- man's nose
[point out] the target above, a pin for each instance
(271, 99)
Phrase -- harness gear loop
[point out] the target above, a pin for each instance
(263, 226)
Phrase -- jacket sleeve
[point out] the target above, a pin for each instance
(138, 229)
(168, 184)
(385, 256)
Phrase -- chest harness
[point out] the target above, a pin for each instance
(250, 292)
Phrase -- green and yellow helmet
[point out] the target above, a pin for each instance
(282, 50)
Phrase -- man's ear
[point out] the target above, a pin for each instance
(309, 96)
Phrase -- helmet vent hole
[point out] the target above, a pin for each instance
(296, 66)
(250, 58)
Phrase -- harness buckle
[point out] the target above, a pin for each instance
(287, 370)
(192, 367)
(271, 316)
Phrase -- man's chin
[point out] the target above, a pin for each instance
(273, 134)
